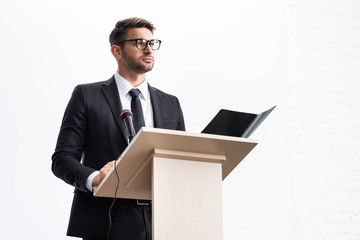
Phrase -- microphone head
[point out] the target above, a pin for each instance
(126, 113)
(127, 117)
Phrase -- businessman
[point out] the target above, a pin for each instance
(92, 135)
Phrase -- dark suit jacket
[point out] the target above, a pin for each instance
(93, 134)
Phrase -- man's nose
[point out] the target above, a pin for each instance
(148, 48)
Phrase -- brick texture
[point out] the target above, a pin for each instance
(323, 45)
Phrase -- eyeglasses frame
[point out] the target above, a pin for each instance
(146, 45)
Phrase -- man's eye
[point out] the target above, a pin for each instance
(142, 42)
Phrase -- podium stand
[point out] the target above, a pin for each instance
(182, 174)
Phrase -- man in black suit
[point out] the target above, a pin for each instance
(92, 135)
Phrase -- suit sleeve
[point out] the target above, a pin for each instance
(66, 161)
(181, 122)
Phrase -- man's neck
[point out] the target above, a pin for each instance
(134, 79)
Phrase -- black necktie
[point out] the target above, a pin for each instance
(137, 109)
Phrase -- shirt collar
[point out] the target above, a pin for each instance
(124, 86)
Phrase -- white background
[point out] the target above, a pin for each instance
(215, 54)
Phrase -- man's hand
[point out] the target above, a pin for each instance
(103, 171)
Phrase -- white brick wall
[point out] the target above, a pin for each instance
(323, 41)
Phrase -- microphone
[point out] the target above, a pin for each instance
(127, 117)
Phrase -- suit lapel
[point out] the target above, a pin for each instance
(112, 97)
(157, 107)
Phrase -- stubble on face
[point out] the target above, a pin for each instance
(136, 64)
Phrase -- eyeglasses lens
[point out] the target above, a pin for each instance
(142, 44)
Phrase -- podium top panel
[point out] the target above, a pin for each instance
(137, 155)
(235, 149)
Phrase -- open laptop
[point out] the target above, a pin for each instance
(236, 124)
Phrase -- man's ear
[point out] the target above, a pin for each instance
(116, 52)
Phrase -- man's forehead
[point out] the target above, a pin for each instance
(139, 33)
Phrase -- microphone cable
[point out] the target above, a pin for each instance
(126, 116)
(113, 201)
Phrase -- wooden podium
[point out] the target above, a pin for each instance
(182, 174)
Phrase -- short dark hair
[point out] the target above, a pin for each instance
(122, 27)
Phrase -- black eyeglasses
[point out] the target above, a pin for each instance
(141, 43)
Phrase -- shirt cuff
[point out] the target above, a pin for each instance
(90, 179)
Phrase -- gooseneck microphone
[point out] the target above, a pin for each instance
(127, 118)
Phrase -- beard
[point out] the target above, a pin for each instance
(136, 65)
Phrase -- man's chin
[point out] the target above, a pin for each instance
(144, 70)
(147, 68)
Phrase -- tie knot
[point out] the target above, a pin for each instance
(134, 92)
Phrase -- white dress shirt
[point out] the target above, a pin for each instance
(124, 87)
